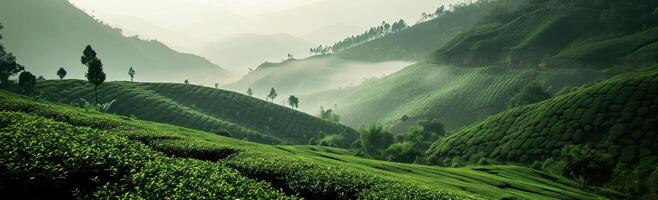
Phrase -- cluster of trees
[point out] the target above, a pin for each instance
(408, 147)
(441, 11)
(329, 115)
(372, 34)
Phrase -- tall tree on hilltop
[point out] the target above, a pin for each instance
(95, 74)
(131, 73)
(186, 81)
(250, 92)
(293, 101)
(272, 95)
(27, 81)
(8, 65)
(61, 73)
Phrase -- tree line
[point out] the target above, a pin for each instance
(371, 34)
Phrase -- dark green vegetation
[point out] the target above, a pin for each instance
(201, 108)
(56, 151)
(418, 41)
(50, 34)
(606, 134)
(559, 33)
(456, 96)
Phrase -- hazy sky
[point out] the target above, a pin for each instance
(213, 20)
(199, 26)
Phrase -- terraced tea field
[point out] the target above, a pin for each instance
(199, 108)
(617, 117)
(457, 96)
(110, 156)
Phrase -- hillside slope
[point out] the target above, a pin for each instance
(560, 33)
(417, 42)
(616, 117)
(199, 108)
(108, 156)
(457, 96)
(311, 75)
(47, 35)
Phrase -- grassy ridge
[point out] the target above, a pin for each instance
(110, 156)
(457, 96)
(200, 108)
(616, 117)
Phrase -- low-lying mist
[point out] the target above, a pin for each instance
(302, 77)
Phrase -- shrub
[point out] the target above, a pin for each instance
(584, 163)
(402, 152)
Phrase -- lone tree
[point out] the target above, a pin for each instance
(216, 85)
(8, 65)
(272, 95)
(61, 73)
(250, 92)
(27, 81)
(131, 72)
(293, 101)
(95, 74)
(186, 81)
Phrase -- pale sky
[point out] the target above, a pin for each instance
(196, 25)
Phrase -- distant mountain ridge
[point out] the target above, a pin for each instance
(47, 35)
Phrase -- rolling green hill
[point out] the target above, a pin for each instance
(560, 33)
(200, 108)
(616, 118)
(47, 35)
(417, 42)
(457, 96)
(56, 151)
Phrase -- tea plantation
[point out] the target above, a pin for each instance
(617, 118)
(200, 108)
(57, 151)
(457, 96)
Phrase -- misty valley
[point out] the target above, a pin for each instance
(329, 99)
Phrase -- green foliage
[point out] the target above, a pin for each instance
(61, 73)
(131, 73)
(375, 140)
(402, 152)
(457, 96)
(97, 155)
(372, 34)
(530, 94)
(27, 81)
(594, 167)
(558, 33)
(95, 74)
(293, 101)
(329, 115)
(201, 108)
(605, 134)
(272, 95)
